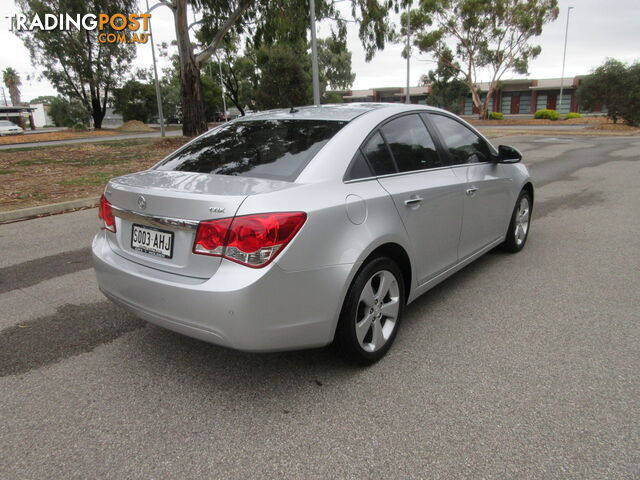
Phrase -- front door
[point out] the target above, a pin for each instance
(551, 101)
(485, 190)
(515, 103)
(486, 206)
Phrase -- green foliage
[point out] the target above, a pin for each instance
(75, 63)
(43, 99)
(334, 63)
(284, 81)
(572, 115)
(332, 97)
(547, 114)
(631, 110)
(212, 94)
(136, 101)
(496, 116)
(265, 23)
(79, 127)
(66, 113)
(489, 36)
(616, 85)
(448, 91)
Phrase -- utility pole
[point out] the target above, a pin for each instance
(155, 73)
(564, 56)
(4, 97)
(408, 95)
(314, 54)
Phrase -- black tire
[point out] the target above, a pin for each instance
(512, 243)
(346, 340)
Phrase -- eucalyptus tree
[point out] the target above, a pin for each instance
(74, 61)
(488, 37)
(263, 20)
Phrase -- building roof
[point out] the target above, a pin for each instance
(394, 91)
(12, 109)
(547, 83)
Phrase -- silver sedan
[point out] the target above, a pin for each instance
(299, 228)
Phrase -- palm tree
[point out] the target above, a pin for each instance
(12, 82)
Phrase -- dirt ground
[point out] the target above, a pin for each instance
(42, 175)
(50, 136)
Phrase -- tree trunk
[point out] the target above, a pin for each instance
(476, 99)
(484, 109)
(97, 113)
(194, 121)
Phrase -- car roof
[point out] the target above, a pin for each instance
(338, 112)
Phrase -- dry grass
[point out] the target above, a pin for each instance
(550, 132)
(51, 136)
(42, 175)
(614, 127)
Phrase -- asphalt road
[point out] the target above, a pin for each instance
(520, 366)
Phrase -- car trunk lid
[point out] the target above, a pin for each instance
(172, 203)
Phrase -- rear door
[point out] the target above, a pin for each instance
(426, 192)
(486, 187)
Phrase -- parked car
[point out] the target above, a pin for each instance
(9, 128)
(297, 228)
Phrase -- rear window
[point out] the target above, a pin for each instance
(274, 149)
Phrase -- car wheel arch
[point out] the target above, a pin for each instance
(390, 249)
(529, 188)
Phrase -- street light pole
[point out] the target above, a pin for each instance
(408, 95)
(564, 56)
(314, 54)
(155, 75)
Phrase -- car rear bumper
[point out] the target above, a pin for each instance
(243, 308)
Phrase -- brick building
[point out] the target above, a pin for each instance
(523, 96)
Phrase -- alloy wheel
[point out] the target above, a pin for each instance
(522, 220)
(377, 312)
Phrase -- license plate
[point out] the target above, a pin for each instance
(151, 240)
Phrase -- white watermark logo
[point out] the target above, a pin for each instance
(129, 28)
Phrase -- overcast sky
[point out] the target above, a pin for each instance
(597, 29)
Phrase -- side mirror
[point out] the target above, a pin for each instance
(507, 154)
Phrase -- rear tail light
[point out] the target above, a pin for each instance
(105, 213)
(251, 240)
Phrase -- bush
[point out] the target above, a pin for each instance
(572, 115)
(548, 114)
(79, 127)
(496, 116)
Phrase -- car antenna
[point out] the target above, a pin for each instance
(293, 109)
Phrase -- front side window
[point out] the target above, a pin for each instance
(273, 149)
(411, 144)
(463, 145)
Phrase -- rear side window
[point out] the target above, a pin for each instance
(378, 155)
(359, 168)
(463, 144)
(411, 144)
(273, 149)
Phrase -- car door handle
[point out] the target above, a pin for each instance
(471, 191)
(413, 201)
